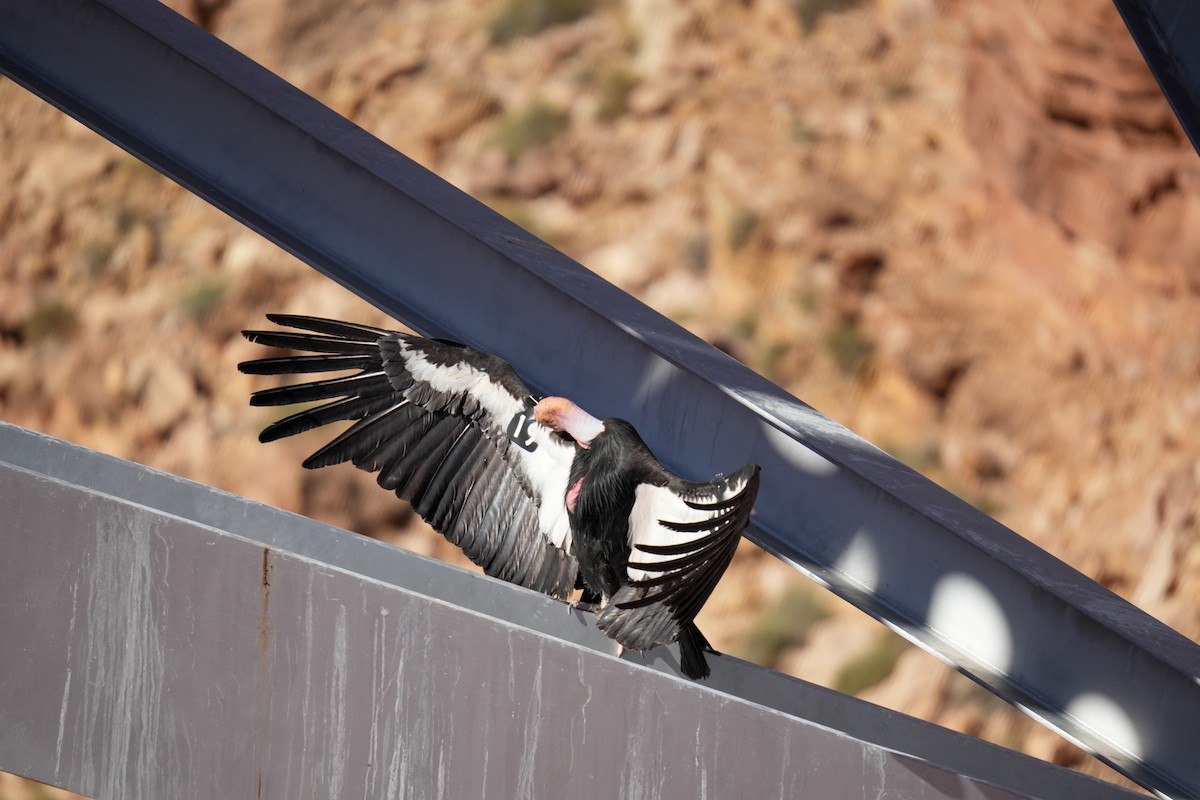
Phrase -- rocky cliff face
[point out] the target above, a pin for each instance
(967, 231)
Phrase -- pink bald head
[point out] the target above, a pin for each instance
(560, 414)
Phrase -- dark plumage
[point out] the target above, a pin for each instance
(539, 494)
(656, 582)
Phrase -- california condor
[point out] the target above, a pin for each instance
(538, 493)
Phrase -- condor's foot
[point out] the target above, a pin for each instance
(582, 605)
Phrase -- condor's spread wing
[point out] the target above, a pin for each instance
(448, 428)
(682, 536)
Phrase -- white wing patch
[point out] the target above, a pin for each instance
(462, 379)
(656, 504)
(548, 465)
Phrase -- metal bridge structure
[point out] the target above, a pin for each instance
(164, 639)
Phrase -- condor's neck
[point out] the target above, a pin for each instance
(609, 484)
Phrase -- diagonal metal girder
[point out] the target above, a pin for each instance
(969, 590)
(1166, 31)
(162, 639)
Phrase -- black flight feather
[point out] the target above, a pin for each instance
(429, 418)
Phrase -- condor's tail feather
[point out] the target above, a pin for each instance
(692, 645)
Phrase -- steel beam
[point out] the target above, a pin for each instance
(165, 639)
(959, 584)
(1167, 31)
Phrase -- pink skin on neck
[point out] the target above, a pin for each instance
(573, 495)
(560, 414)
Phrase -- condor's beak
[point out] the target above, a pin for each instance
(560, 414)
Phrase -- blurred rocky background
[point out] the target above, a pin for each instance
(967, 231)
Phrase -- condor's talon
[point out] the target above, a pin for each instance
(591, 608)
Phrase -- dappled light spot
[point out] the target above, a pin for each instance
(654, 381)
(1106, 717)
(859, 561)
(965, 611)
(797, 455)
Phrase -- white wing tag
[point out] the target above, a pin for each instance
(520, 430)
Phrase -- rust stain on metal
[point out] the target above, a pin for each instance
(264, 643)
(264, 616)
(266, 571)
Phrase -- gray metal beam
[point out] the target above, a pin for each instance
(1166, 31)
(969, 590)
(165, 639)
